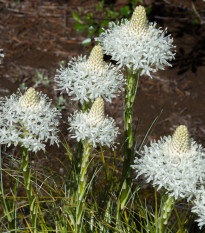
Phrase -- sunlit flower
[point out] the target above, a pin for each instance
(87, 79)
(175, 163)
(199, 206)
(94, 126)
(137, 44)
(28, 120)
(1, 54)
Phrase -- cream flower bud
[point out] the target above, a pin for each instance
(96, 114)
(95, 60)
(180, 142)
(138, 23)
(30, 100)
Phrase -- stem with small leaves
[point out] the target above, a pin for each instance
(27, 182)
(166, 210)
(130, 92)
(82, 184)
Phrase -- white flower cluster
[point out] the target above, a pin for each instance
(28, 120)
(137, 44)
(94, 126)
(199, 207)
(175, 163)
(1, 54)
(88, 79)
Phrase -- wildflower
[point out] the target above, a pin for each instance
(137, 44)
(175, 163)
(28, 120)
(94, 126)
(88, 79)
(199, 206)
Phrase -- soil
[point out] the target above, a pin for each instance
(38, 35)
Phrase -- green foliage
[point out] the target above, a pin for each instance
(92, 23)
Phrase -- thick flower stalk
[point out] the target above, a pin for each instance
(165, 213)
(92, 128)
(175, 163)
(32, 199)
(86, 79)
(28, 121)
(199, 206)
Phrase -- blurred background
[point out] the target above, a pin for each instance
(37, 36)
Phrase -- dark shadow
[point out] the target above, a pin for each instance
(190, 50)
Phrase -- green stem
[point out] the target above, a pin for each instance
(27, 182)
(166, 210)
(86, 106)
(6, 207)
(82, 183)
(130, 93)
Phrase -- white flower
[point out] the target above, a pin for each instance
(28, 120)
(1, 54)
(175, 163)
(199, 206)
(88, 79)
(94, 126)
(137, 44)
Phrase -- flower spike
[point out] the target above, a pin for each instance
(96, 114)
(175, 163)
(28, 120)
(180, 140)
(95, 61)
(137, 44)
(30, 100)
(89, 78)
(138, 22)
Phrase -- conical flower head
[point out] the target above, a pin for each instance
(96, 114)
(138, 22)
(180, 142)
(30, 100)
(95, 61)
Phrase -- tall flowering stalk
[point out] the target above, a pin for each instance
(175, 163)
(140, 48)
(28, 121)
(92, 128)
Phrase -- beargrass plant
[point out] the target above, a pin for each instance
(97, 193)
(141, 49)
(175, 163)
(29, 122)
(91, 128)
